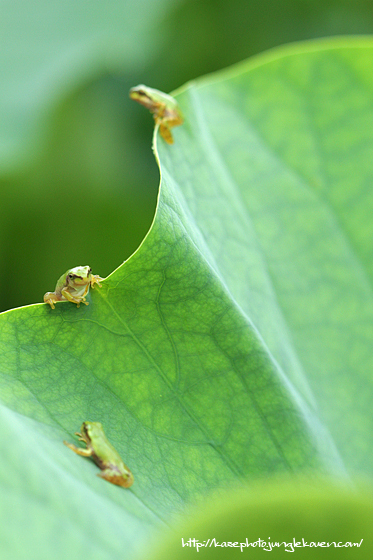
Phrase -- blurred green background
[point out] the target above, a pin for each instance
(77, 176)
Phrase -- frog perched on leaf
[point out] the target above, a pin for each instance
(73, 286)
(103, 453)
(165, 109)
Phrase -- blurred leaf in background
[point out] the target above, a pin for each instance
(78, 181)
(274, 512)
(66, 166)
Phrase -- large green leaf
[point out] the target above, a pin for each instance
(235, 343)
(276, 168)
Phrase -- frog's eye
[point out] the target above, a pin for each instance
(89, 271)
(71, 276)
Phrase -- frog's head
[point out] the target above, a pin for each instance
(151, 98)
(139, 92)
(91, 430)
(143, 95)
(80, 275)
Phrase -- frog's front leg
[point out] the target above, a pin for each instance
(96, 279)
(79, 299)
(79, 450)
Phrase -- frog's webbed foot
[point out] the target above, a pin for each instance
(81, 437)
(79, 450)
(50, 298)
(96, 279)
(81, 301)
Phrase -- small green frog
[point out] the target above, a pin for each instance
(164, 108)
(73, 286)
(103, 454)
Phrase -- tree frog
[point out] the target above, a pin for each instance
(165, 109)
(103, 453)
(73, 286)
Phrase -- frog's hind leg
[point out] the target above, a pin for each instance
(166, 133)
(114, 478)
(51, 298)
